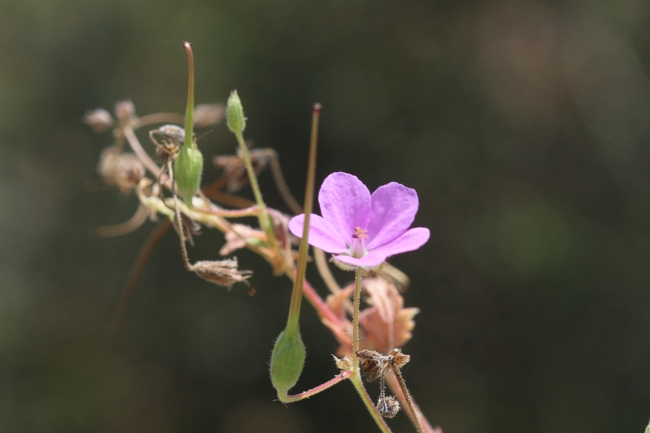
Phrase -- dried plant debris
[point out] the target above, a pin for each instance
(99, 120)
(125, 110)
(124, 170)
(222, 272)
(374, 364)
(388, 406)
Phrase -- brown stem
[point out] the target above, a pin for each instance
(133, 223)
(179, 222)
(281, 184)
(142, 154)
(136, 273)
(159, 118)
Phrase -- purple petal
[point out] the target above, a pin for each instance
(321, 233)
(345, 203)
(393, 210)
(409, 241)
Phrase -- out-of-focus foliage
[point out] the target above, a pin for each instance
(523, 125)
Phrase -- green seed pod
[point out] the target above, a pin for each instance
(235, 113)
(287, 360)
(188, 168)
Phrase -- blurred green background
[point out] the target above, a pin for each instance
(523, 125)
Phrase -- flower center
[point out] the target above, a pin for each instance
(358, 247)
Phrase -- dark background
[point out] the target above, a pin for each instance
(523, 125)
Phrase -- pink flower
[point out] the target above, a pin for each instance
(361, 229)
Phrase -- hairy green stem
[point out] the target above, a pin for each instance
(358, 385)
(355, 319)
(252, 178)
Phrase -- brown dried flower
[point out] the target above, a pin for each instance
(387, 406)
(125, 170)
(374, 364)
(99, 120)
(125, 110)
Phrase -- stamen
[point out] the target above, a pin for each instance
(358, 247)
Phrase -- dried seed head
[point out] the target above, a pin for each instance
(99, 120)
(125, 110)
(388, 406)
(171, 139)
(374, 364)
(208, 114)
(172, 134)
(399, 359)
(125, 170)
(222, 273)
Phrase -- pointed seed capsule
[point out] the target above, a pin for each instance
(235, 113)
(287, 361)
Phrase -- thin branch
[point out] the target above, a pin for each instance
(136, 273)
(132, 224)
(142, 154)
(159, 118)
(281, 184)
(238, 213)
(317, 389)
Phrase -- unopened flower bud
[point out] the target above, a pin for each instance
(208, 114)
(125, 110)
(99, 120)
(287, 361)
(188, 168)
(235, 113)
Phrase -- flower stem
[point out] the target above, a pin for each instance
(296, 294)
(252, 178)
(358, 385)
(133, 141)
(356, 377)
(226, 213)
(303, 395)
(355, 320)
